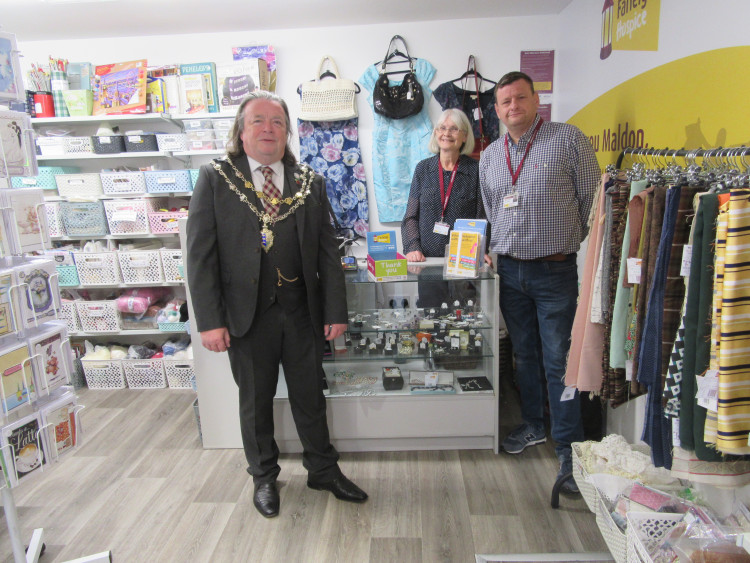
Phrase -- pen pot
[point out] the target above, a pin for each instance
(43, 104)
(59, 83)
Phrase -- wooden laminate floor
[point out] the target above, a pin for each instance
(142, 486)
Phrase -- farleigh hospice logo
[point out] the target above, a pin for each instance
(629, 25)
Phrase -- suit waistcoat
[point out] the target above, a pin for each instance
(281, 278)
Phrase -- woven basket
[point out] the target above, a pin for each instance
(646, 531)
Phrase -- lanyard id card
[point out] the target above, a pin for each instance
(441, 228)
(510, 200)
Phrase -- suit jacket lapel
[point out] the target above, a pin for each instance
(244, 167)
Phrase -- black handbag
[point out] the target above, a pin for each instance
(403, 100)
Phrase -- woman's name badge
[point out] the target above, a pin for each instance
(510, 200)
(441, 228)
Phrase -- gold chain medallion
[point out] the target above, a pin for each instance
(304, 177)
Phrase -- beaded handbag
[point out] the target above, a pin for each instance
(332, 99)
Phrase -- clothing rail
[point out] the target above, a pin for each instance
(735, 155)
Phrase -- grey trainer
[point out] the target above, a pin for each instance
(523, 436)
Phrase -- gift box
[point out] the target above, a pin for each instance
(386, 270)
(79, 102)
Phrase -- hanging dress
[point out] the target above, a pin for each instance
(450, 96)
(398, 145)
(331, 148)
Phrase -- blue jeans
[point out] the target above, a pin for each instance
(538, 302)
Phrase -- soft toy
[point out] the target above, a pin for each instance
(139, 300)
(171, 312)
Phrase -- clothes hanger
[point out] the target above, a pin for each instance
(396, 57)
(327, 73)
(471, 71)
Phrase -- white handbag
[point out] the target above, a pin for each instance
(328, 99)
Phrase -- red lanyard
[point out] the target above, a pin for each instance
(517, 173)
(444, 196)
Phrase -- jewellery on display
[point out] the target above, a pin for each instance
(351, 378)
(304, 177)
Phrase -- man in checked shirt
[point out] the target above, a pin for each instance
(538, 184)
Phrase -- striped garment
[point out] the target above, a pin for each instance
(710, 426)
(613, 380)
(734, 350)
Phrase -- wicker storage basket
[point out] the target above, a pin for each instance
(145, 142)
(114, 183)
(108, 144)
(79, 185)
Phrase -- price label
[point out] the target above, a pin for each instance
(128, 215)
(707, 394)
(687, 258)
(568, 394)
(430, 378)
(634, 270)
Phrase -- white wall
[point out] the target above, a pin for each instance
(687, 27)
(496, 43)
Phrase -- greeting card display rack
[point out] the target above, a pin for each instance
(39, 411)
(39, 414)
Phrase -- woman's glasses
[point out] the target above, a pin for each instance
(452, 129)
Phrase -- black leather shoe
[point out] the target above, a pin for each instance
(266, 499)
(342, 488)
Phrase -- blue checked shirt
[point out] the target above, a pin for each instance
(555, 190)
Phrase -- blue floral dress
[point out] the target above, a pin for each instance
(398, 145)
(331, 148)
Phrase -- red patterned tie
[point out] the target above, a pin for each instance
(271, 191)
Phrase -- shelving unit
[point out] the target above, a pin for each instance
(90, 162)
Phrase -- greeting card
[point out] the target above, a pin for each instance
(60, 423)
(16, 144)
(39, 294)
(26, 452)
(7, 321)
(26, 222)
(16, 380)
(51, 357)
(11, 82)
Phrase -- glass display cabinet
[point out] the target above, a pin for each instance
(417, 369)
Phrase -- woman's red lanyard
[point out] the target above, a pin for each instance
(514, 175)
(443, 195)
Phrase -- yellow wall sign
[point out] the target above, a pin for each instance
(630, 25)
(698, 101)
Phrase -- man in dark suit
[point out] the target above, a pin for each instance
(267, 286)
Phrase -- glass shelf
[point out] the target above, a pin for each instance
(462, 358)
(415, 320)
(416, 274)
